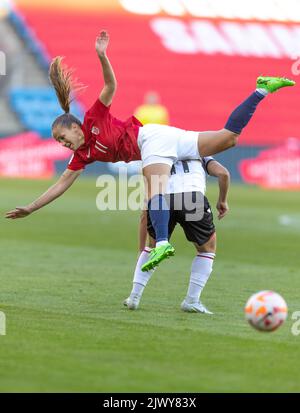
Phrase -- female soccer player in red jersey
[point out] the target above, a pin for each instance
(102, 137)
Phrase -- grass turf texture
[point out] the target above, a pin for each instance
(65, 271)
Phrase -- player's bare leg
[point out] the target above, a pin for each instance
(212, 142)
(157, 176)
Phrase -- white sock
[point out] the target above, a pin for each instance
(262, 91)
(201, 269)
(141, 278)
(159, 243)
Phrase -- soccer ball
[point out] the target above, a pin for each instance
(266, 310)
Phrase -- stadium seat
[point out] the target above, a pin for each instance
(38, 107)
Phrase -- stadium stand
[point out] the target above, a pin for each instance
(37, 107)
(199, 87)
(202, 67)
(22, 70)
(29, 38)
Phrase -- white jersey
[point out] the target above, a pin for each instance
(188, 176)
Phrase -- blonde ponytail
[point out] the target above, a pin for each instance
(63, 83)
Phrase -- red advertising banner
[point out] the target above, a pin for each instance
(277, 168)
(28, 156)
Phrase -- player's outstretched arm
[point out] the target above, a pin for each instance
(55, 191)
(110, 82)
(214, 168)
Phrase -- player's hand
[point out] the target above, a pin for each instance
(222, 208)
(102, 42)
(18, 212)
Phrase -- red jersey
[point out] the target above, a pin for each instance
(107, 139)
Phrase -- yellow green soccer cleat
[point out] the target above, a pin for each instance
(272, 84)
(157, 255)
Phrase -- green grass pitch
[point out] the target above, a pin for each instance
(65, 271)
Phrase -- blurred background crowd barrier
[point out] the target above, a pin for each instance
(199, 57)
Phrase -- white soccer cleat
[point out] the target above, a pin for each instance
(132, 302)
(197, 307)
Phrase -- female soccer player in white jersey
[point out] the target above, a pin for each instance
(190, 208)
(102, 137)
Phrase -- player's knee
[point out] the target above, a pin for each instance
(213, 243)
(229, 138)
(143, 216)
(233, 139)
(210, 246)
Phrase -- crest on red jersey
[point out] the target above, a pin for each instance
(95, 130)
